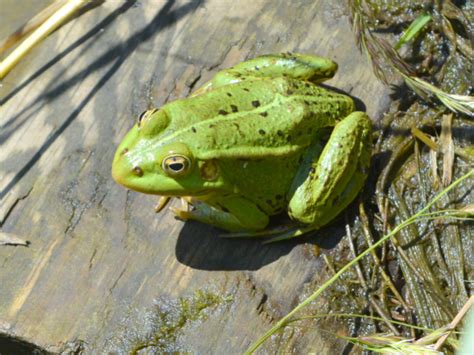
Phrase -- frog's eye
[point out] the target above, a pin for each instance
(176, 165)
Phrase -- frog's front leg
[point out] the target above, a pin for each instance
(232, 213)
(293, 65)
(331, 182)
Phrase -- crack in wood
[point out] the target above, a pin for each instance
(92, 258)
(81, 208)
(262, 309)
(192, 83)
(261, 304)
(14, 204)
(117, 280)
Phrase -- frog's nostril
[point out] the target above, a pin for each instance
(138, 171)
(124, 151)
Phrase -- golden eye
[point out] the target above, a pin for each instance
(176, 165)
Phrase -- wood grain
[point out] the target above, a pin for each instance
(99, 258)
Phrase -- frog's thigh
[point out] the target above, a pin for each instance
(294, 65)
(237, 214)
(333, 181)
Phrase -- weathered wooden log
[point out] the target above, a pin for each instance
(101, 265)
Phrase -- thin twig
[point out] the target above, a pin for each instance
(369, 238)
(455, 322)
(31, 25)
(52, 23)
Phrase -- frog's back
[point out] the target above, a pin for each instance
(255, 118)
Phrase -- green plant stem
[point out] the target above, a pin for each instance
(286, 319)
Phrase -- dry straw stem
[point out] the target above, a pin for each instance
(31, 25)
(455, 322)
(423, 214)
(456, 103)
(391, 344)
(52, 23)
(356, 315)
(446, 145)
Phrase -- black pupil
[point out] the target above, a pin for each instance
(176, 166)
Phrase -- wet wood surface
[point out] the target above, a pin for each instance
(99, 259)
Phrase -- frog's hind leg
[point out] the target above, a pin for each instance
(333, 180)
(292, 65)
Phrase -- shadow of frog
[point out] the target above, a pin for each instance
(201, 246)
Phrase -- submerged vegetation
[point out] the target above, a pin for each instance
(411, 247)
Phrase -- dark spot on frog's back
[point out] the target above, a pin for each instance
(234, 108)
(245, 89)
(193, 129)
(263, 114)
(255, 103)
(229, 94)
(280, 133)
(261, 132)
(223, 112)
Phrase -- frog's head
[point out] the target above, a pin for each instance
(148, 161)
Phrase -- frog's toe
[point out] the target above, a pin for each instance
(188, 200)
(162, 202)
(284, 236)
(242, 235)
(180, 214)
(290, 234)
(260, 234)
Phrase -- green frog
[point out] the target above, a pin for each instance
(259, 139)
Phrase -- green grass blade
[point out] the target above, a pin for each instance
(413, 29)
